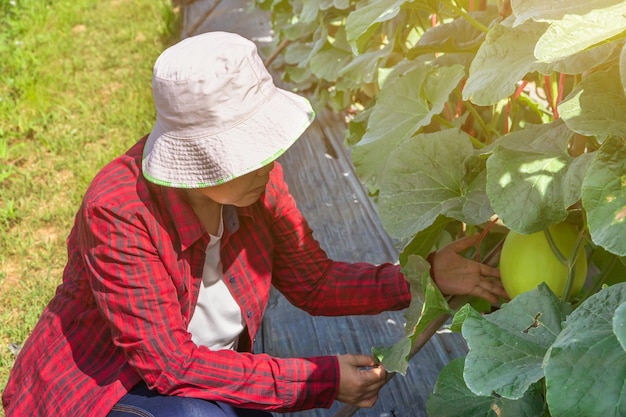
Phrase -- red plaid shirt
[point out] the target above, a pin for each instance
(135, 260)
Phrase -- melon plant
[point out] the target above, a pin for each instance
(466, 113)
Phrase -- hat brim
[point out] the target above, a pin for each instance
(218, 157)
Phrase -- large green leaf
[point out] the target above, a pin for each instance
(361, 21)
(362, 69)
(507, 347)
(409, 101)
(579, 62)
(575, 32)
(451, 397)
(476, 207)
(337, 4)
(532, 179)
(405, 104)
(451, 37)
(293, 29)
(425, 297)
(604, 196)
(424, 242)
(297, 53)
(423, 179)
(427, 303)
(543, 10)
(501, 61)
(300, 53)
(394, 358)
(586, 367)
(327, 63)
(311, 8)
(619, 324)
(596, 107)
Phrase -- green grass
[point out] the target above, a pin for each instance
(75, 80)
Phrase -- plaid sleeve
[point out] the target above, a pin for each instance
(310, 280)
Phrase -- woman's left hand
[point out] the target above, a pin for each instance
(456, 275)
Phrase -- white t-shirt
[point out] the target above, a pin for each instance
(217, 321)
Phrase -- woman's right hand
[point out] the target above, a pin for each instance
(360, 379)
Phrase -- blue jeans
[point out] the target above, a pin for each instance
(142, 402)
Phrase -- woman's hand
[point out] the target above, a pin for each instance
(360, 379)
(456, 275)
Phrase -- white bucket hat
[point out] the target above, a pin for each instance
(219, 114)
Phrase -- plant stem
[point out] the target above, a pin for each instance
(520, 89)
(507, 111)
(553, 99)
(568, 262)
(571, 270)
(277, 52)
(466, 16)
(559, 96)
(470, 107)
(482, 236)
(443, 121)
(554, 248)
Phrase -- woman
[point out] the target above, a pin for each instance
(173, 252)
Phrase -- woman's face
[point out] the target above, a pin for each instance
(240, 192)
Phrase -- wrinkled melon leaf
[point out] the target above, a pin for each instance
(459, 317)
(501, 61)
(435, 305)
(361, 21)
(507, 347)
(619, 324)
(293, 30)
(532, 179)
(310, 10)
(459, 35)
(423, 180)
(402, 108)
(427, 303)
(338, 4)
(408, 102)
(451, 397)
(362, 69)
(596, 107)
(424, 242)
(586, 367)
(394, 358)
(328, 62)
(417, 272)
(576, 32)
(357, 127)
(604, 196)
(543, 10)
(579, 62)
(297, 54)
